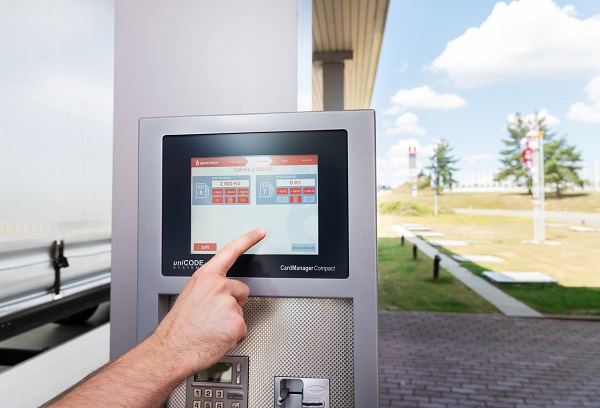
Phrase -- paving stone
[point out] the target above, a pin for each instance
(418, 228)
(477, 258)
(448, 243)
(518, 277)
(430, 234)
(462, 360)
(584, 229)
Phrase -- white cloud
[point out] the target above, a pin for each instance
(532, 118)
(407, 123)
(588, 112)
(520, 40)
(394, 110)
(424, 97)
(392, 170)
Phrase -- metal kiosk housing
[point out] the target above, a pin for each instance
(299, 329)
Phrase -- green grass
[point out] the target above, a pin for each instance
(408, 285)
(570, 201)
(547, 299)
(558, 300)
(403, 208)
(571, 261)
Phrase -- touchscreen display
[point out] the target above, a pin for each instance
(235, 194)
(216, 187)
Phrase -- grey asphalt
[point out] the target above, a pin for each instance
(443, 360)
(580, 218)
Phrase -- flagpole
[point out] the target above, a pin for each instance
(533, 160)
(435, 202)
(434, 176)
(539, 227)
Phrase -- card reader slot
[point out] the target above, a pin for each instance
(313, 404)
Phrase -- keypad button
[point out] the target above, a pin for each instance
(219, 404)
(235, 405)
(208, 393)
(207, 404)
(219, 394)
(197, 404)
(198, 392)
(235, 395)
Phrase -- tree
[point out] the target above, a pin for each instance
(561, 164)
(561, 161)
(445, 167)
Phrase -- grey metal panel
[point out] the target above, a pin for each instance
(361, 285)
(286, 338)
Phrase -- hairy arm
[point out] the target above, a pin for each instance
(203, 325)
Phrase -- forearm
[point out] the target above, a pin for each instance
(205, 323)
(143, 377)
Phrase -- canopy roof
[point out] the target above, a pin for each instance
(348, 28)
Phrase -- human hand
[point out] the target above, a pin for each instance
(205, 323)
(207, 319)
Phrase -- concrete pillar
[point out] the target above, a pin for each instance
(189, 58)
(333, 86)
(333, 78)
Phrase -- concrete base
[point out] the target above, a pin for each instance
(477, 258)
(418, 228)
(430, 234)
(584, 229)
(518, 277)
(447, 243)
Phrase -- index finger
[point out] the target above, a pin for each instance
(223, 260)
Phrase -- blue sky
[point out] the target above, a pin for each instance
(458, 69)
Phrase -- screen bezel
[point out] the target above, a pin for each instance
(330, 145)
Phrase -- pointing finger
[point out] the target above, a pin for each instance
(223, 260)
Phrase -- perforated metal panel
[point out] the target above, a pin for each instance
(177, 398)
(295, 337)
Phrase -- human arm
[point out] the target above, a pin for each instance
(203, 325)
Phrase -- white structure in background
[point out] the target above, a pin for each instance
(483, 180)
(591, 173)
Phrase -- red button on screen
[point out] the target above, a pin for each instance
(309, 190)
(217, 191)
(217, 200)
(205, 246)
(296, 199)
(243, 200)
(282, 191)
